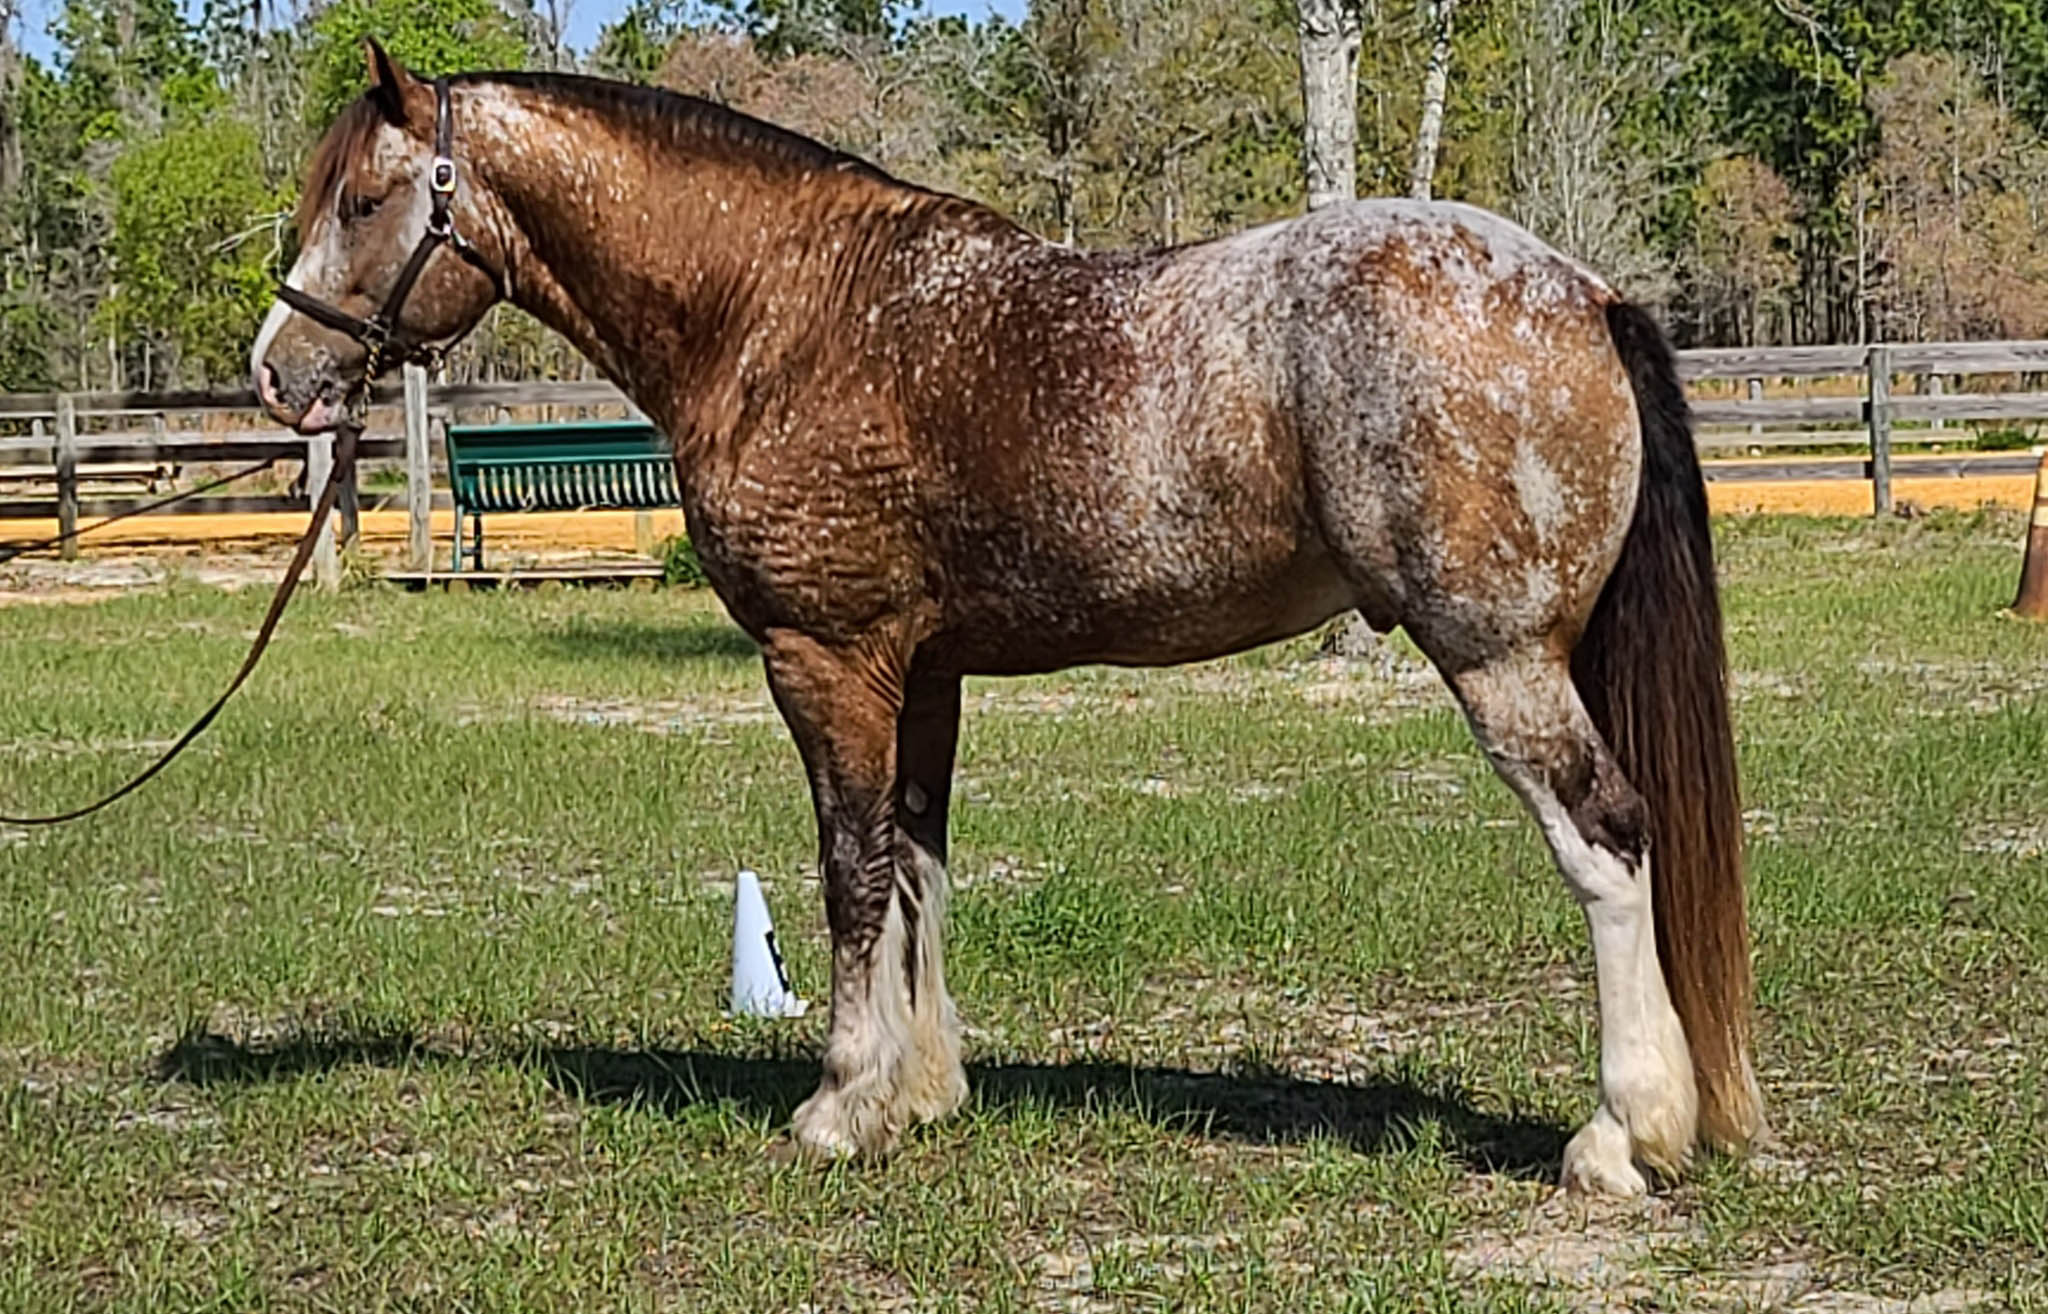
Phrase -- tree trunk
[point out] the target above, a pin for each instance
(10, 132)
(1329, 95)
(1434, 84)
(1330, 36)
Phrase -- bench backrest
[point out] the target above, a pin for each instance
(592, 463)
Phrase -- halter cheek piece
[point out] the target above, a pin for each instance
(382, 337)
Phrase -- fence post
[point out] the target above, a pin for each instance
(1756, 393)
(1879, 410)
(348, 507)
(319, 465)
(67, 475)
(419, 478)
(1935, 388)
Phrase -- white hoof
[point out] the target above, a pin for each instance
(1660, 1128)
(835, 1123)
(1597, 1161)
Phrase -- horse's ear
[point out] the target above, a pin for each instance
(390, 83)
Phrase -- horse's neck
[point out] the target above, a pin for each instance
(663, 265)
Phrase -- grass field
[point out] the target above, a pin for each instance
(404, 988)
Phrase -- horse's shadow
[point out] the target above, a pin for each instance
(1378, 1115)
(665, 646)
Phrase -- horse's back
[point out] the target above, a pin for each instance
(1113, 474)
(1164, 457)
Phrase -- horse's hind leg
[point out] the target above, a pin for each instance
(934, 1083)
(842, 708)
(1528, 717)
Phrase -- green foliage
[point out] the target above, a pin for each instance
(2013, 439)
(430, 37)
(27, 327)
(632, 48)
(789, 27)
(680, 564)
(191, 242)
(1726, 153)
(115, 53)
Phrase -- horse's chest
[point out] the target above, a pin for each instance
(797, 531)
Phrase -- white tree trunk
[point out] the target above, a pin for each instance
(1434, 83)
(1329, 97)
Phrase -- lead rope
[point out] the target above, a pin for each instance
(344, 466)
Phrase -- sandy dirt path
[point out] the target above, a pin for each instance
(515, 540)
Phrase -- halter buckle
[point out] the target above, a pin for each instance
(441, 176)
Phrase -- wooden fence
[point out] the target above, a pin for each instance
(64, 446)
(69, 441)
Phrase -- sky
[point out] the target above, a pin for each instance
(586, 17)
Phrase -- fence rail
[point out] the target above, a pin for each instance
(2007, 357)
(73, 453)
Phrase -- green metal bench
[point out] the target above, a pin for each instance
(591, 465)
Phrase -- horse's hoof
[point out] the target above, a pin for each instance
(830, 1128)
(1597, 1161)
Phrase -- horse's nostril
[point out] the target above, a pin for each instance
(266, 386)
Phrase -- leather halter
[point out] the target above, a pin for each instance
(381, 335)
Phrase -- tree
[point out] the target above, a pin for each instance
(633, 46)
(428, 36)
(194, 230)
(1430, 130)
(10, 129)
(1959, 222)
(1330, 36)
(1590, 72)
(1745, 272)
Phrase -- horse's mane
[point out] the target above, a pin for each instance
(652, 109)
(347, 138)
(669, 112)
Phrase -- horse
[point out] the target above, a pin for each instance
(916, 442)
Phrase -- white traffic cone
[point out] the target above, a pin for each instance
(760, 987)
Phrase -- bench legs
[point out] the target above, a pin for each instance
(476, 551)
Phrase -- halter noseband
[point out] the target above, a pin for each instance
(380, 333)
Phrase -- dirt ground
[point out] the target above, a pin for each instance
(1849, 497)
(508, 539)
(516, 540)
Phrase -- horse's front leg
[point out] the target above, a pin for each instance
(842, 706)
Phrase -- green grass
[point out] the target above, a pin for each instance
(403, 989)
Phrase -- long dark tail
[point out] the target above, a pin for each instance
(1652, 670)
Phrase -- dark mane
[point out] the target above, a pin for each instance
(348, 137)
(654, 109)
(669, 112)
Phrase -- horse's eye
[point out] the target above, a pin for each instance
(365, 206)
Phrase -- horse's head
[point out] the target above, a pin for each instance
(386, 269)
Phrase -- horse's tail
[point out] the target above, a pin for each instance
(1652, 670)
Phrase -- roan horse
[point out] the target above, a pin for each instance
(916, 442)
